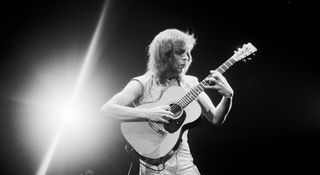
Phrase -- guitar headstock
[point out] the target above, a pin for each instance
(244, 52)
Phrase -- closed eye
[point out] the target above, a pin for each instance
(180, 51)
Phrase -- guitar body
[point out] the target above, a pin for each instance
(149, 143)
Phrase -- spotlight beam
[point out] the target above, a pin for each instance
(90, 56)
(86, 68)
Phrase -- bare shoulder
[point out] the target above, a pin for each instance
(132, 91)
(133, 87)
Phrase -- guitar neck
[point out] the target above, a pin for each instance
(193, 93)
(226, 65)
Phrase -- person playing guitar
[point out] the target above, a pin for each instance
(154, 120)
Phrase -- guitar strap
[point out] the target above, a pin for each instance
(162, 160)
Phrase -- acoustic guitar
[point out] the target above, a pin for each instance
(154, 141)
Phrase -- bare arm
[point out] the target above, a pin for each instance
(119, 106)
(217, 114)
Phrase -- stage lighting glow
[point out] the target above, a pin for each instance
(51, 124)
(56, 116)
(58, 105)
(45, 106)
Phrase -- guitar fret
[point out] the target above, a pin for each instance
(179, 103)
(187, 101)
(225, 66)
(188, 98)
(220, 70)
(197, 90)
(190, 95)
(230, 63)
(201, 86)
(232, 60)
(183, 102)
(194, 93)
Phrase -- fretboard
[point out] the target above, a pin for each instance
(193, 93)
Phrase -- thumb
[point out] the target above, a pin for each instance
(166, 107)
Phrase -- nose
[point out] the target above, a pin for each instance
(187, 57)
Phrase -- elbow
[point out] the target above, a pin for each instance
(105, 110)
(217, 122)
(104, 107)
(218, 118)
(214, 118)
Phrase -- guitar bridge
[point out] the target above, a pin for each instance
(157, 128)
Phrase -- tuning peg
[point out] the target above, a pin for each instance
(246, 59)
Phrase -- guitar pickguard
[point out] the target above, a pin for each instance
(175, 124)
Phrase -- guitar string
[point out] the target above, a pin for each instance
(155, 126)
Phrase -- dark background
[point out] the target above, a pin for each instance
(273, 127)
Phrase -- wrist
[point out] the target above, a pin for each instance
(229, 96)
(144, 114)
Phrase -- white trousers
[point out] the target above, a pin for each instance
(181, 163)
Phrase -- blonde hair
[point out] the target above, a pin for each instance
(163, 46)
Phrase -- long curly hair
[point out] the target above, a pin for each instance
(162, 48)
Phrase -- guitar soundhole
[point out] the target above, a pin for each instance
(176, 109)
(175, 124)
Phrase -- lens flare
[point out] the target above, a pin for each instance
(67, 111)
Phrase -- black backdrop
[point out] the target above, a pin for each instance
(274, 123)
